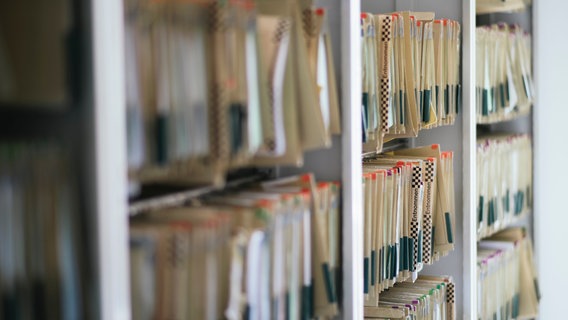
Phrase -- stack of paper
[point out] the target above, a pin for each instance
(409, 215)
(215, 85)
(504, 181)
(507, 281)
(411, 66)
(266, 252)
(504, 73)
(42, 274)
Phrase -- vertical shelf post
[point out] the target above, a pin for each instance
(110, 159)
(352, 217)
(469, 285)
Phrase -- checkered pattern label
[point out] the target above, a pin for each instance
(417, 183)
(308, 24)
(386, 28)
(417, 177)
(218, 122)
(414, 230)
(386, 36)
(427, 237)
(429, 176)
(450, 293)
(430, 171)
(215, 17)
(282, 31)
(385, 96)
(218, 96)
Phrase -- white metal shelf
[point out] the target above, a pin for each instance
(383, 313)
(505, 7)
(514, 117)
(518, 221)
(182, 197)
(388, 147)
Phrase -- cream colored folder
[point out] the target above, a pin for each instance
(325, 299)
(444, 214)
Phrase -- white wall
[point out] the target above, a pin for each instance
(551, 150)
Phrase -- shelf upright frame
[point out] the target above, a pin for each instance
(352, 214)
(469, 161)
(110, 159)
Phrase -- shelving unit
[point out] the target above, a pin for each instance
(459, 138)
(342, 162)
(521, 123)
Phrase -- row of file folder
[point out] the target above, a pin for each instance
(493, 6)
(267, 251)
(42, 275)
(409, 214)
(429, 297)
(507, 279)
(504, 181)
(410, 69)
(215, 85)
(505, 88)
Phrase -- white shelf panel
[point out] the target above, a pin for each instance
(110, 159)
(180, 198)
(383, 313)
